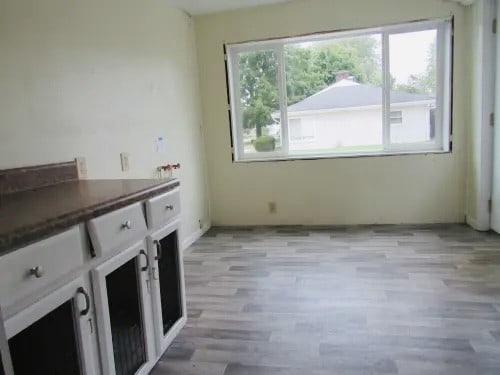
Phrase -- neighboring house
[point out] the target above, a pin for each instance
(348, 114)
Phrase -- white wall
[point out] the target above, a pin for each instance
(360, 127)
(482, 103)
(398, 189)
(95, 78)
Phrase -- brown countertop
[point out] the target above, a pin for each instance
(29, 216)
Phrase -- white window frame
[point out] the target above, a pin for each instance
(444, 56)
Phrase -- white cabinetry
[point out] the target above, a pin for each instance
(123, 304)
(167, 285)
(111, 305)
(5, 363)
(31, 269)
(55, 334)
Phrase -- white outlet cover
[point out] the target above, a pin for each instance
(161, 144)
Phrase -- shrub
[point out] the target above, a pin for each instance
(265, 143)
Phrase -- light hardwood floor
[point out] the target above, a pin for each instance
(340, 300)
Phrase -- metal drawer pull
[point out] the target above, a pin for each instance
(145, 268)
(87, 301)
(159, 250)
(37, 271)
(170, 207)
(127, 225)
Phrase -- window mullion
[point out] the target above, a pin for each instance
(236, 108)
(283, 101)
(441, 51)
(386, 92)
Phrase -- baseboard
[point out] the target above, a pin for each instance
(192, 238)
(474, 223)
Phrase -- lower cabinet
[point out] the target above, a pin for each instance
(55, 335)
(123, 304)
(5, 363)
(119, 313)
(167, 285)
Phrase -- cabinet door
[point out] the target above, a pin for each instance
(56, 334)
(5, 364)
(167, 285)
(123, 308)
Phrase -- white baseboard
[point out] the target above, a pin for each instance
(474, 223)
(192, 238)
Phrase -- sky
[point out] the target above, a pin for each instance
(409, 53)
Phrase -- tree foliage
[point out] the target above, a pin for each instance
(310, 67)
(423, 83)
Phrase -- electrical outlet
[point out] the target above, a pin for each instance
(273, 207)
(200, 222)
(81, 166)
(124, 157)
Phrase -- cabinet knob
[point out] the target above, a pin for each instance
(36, 271)
(127, 225)
(169, 207)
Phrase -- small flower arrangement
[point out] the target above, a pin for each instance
(166, 170)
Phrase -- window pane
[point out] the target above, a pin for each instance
(413, 76)
(334, 95)
(259, 102)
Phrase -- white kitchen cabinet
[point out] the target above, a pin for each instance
(163, 208)
(111, 305)
(30, 270)
(5, 362)
(167, 285)
(123, 305)
(117, 229)
(56, 334)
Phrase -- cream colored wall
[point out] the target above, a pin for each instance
(95, 78)
(399, 189)
(482, 103)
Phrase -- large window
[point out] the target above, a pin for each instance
(374, 91)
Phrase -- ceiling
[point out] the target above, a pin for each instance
(197, 7)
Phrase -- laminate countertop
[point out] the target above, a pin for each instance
(30, 216)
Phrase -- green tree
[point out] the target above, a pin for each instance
(310, 67)
(259, 88)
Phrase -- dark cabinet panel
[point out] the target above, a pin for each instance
(170, 288)
(48, 346)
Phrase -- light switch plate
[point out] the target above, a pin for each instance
(125, 162)
(81, 165)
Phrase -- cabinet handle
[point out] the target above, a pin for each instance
(170, 207)
(37, 271)
(86, 310)
(127, 225)
(159, 250)
(145, 268)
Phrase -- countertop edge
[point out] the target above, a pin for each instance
(27, 235)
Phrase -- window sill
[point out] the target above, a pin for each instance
(278, 158)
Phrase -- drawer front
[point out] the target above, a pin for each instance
(34, 267)
(118, 228)
(161, 209)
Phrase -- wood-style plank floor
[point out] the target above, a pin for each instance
(340, 300)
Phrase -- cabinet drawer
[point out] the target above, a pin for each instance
(161, 209)
(118, 228)
(34, 267)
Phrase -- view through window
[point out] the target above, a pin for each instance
(362, 92)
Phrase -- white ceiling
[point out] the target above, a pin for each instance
(197, 7)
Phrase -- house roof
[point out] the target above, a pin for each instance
(348, 94)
